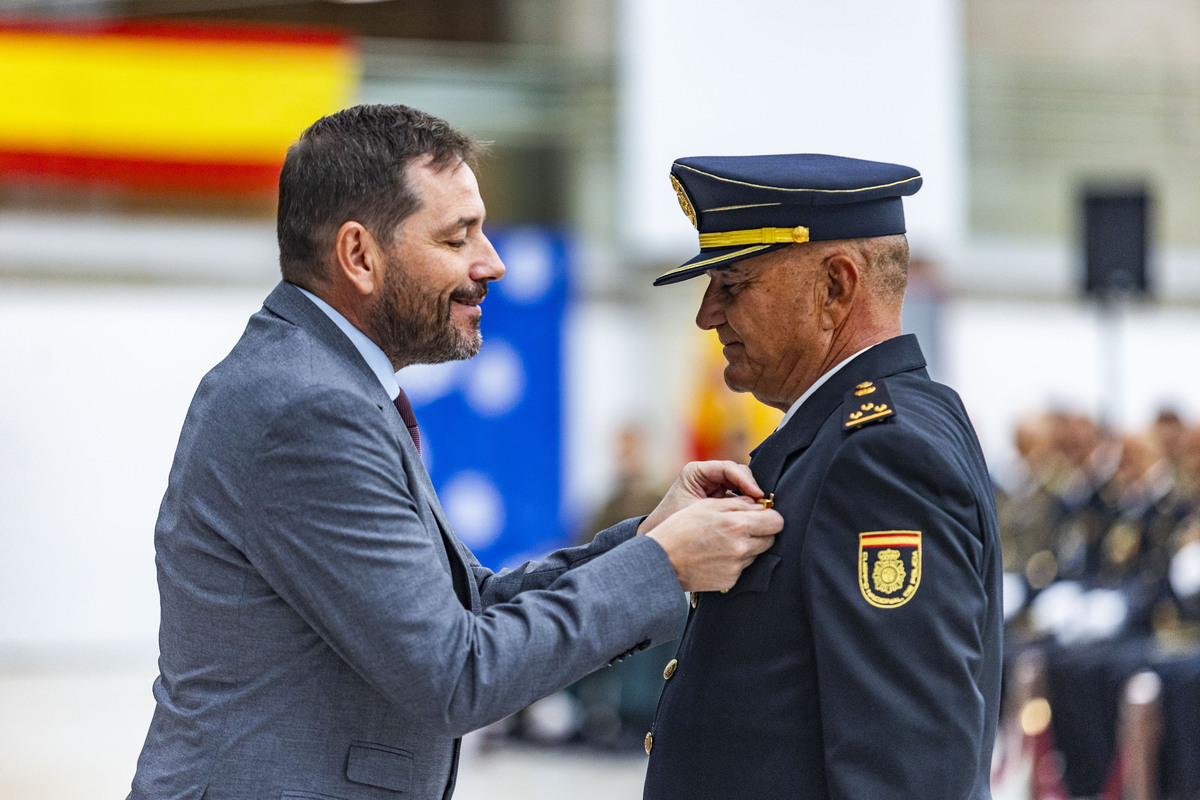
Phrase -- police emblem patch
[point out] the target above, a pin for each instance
(889, 567)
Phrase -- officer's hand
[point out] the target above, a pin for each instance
(711, 541)
(701, 479)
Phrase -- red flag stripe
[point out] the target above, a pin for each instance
(891, 540)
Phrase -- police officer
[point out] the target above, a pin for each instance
(859, 657)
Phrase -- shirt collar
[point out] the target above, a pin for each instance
(791, 412)
(375, 358)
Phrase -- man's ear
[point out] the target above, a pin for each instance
(358, 258)
(842, 279)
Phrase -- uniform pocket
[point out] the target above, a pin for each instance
(757, 576)
(380, 765)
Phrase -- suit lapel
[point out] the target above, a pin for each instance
(289, 303)
(901, 354)
(465, 587)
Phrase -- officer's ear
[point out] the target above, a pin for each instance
(358, 259)
(840, 281)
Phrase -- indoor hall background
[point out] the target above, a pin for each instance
(1007, 108)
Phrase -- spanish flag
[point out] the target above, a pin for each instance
(179, 107)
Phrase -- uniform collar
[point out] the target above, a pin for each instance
(817, 384)
(891, 357)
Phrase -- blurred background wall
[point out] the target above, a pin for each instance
(120, 286)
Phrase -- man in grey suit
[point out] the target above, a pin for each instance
(324, 634)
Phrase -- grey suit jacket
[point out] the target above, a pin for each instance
(312, 645)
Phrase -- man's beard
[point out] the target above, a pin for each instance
(412, 326)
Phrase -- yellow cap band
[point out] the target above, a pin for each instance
(757, 236)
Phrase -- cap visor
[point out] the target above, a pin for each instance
(716, 258)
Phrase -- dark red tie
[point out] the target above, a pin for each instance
(410, 419)
(458, 570)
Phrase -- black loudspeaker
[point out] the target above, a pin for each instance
(1115, 225)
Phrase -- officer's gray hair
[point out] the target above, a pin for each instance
(886, 258)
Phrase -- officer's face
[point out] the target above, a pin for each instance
(765, 312)
(436, 272)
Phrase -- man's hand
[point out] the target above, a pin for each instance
(701, 479)
(711, 541)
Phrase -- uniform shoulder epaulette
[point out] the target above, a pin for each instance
(867, 403)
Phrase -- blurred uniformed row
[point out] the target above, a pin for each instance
(1101, 540)
(1101, 530)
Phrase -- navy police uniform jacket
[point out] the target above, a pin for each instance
(860, 656)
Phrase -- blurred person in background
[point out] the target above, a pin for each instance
(1027, 506)
(1188, 466)
(616, 704)
(1169, 433)
(1141, 515)
(324, 633)
(636, 490)
(1087, 458)
(1029, 511)
(1184, 570)
(859, 657)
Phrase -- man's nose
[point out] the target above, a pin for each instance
(488, 267)
(709, 316)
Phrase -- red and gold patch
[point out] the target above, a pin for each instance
(889, 567)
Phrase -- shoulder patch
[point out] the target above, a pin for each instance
(889, 571)
(868, 402)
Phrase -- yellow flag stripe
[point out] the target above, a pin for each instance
(156, 96)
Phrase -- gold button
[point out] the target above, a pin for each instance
(649, 743)
(695, 599)
(670, 669)
(724, 591)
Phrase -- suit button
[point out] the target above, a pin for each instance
(649, 743)
(670, 669)
(695, 599)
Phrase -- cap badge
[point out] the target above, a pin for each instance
(889, 570)
(684, 202)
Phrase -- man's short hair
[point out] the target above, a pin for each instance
(887, 264)
(352, 165)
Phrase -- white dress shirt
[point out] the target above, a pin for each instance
(817, 384)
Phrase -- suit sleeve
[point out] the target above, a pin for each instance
(901, 708)
(502, 586)
(337, 534)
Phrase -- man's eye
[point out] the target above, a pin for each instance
(457, 243)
